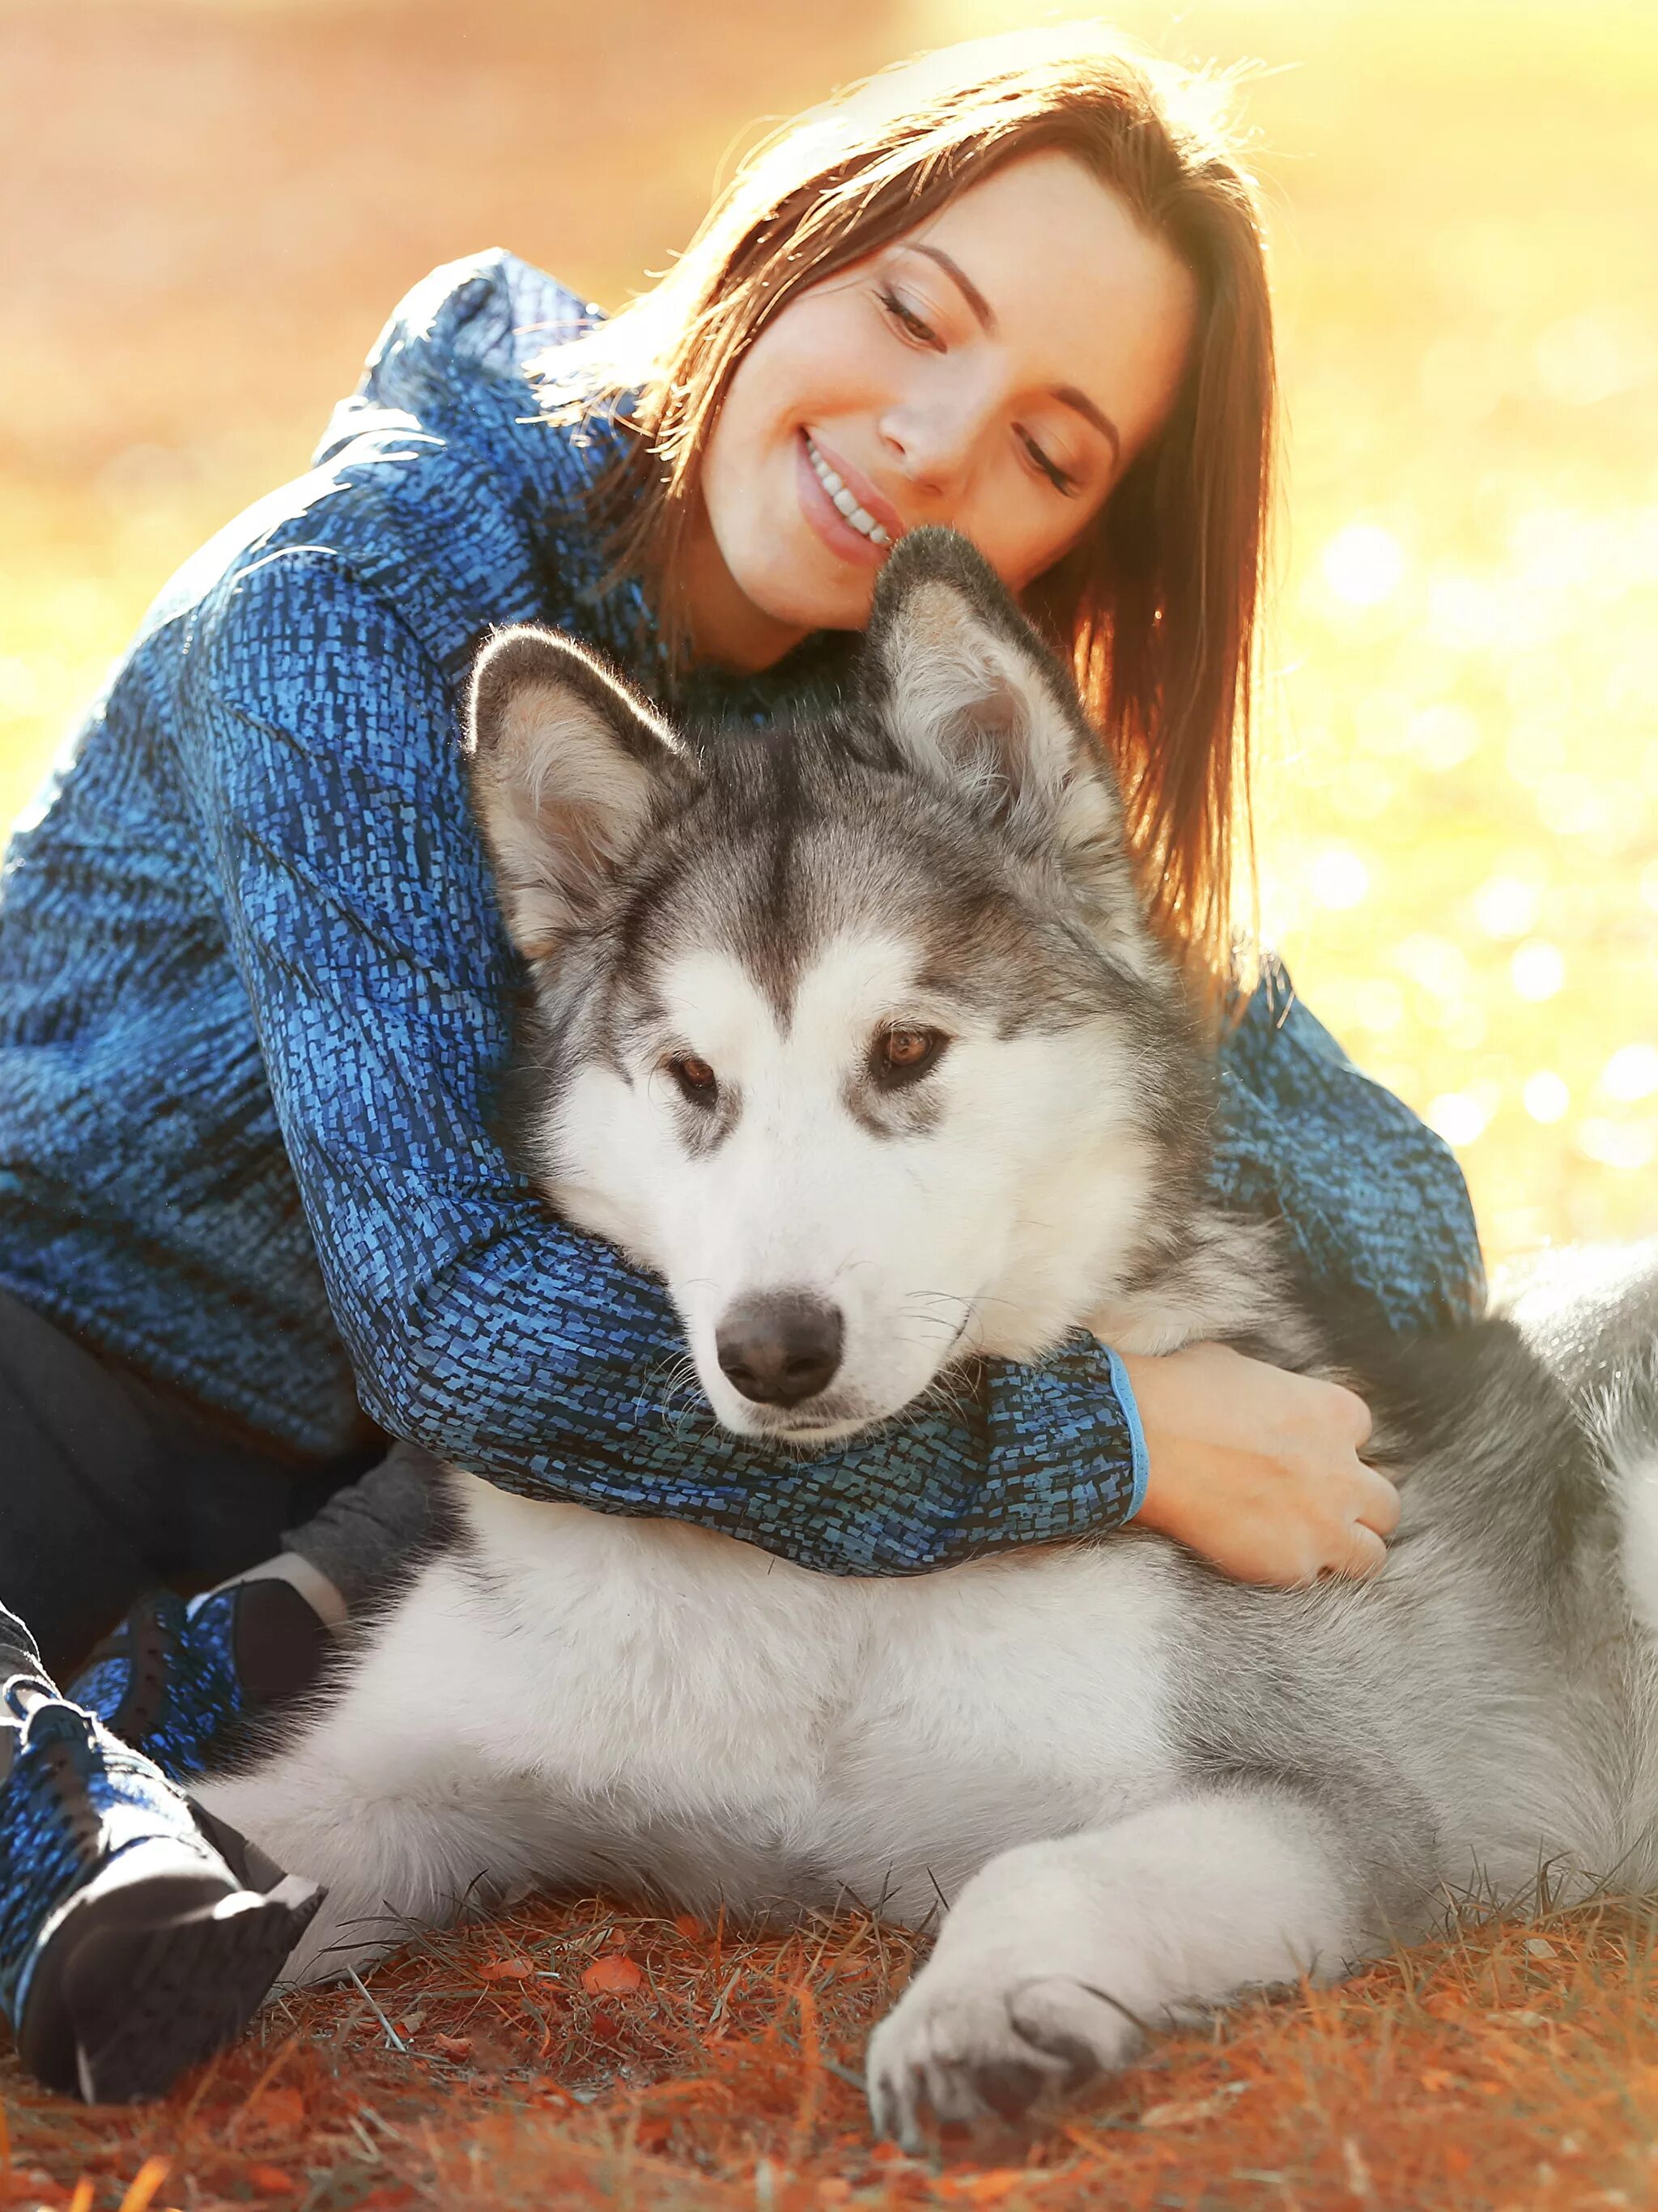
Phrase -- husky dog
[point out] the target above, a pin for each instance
(856, 1035)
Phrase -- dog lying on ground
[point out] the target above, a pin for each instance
(857, 1036)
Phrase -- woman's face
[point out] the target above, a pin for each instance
(996, 370)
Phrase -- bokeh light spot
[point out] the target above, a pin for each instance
(1546, 1096)
(1444, 735)
(1631, 1073)
(1625, 1144)
(1434, 962)
(1537, 970)
(1582, 360)
(1461, 1117)
(1364, 564)
(1505, 907)
(1339, 878)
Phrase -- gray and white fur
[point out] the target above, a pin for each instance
(855, 1033)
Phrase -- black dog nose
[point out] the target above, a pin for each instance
(779, 1346)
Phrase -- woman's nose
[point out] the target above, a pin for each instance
(932, 446)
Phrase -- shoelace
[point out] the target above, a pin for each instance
(51, 1834)
(166, 1680)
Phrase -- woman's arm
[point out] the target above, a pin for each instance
(1259, 1470)
(318, 748)
(1376, 1206)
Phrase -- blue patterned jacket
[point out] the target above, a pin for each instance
(254, 991)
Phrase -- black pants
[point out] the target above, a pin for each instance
(109, 1486)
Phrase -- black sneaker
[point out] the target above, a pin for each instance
(128, 1948)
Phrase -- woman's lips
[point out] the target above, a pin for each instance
(860, 487)
(826, 519)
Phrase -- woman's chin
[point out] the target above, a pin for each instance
(830, 602)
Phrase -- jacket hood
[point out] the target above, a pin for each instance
(457, 347)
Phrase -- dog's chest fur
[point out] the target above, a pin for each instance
(674, 1697)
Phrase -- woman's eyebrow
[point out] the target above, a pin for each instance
(969, 290)
(1067, 394)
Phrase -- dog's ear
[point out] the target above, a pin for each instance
(972, 698)
(567, 765)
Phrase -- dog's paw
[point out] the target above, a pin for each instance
(971, 2047)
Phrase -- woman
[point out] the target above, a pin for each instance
(253, 984)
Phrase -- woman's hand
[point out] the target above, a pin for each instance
(1257, 1470)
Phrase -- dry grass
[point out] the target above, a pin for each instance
(586, 2057)
(1461, 835)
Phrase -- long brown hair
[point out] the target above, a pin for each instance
(1157, 605)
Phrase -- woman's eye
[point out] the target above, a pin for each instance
(907, 319)
(901, 1055)
(695, 1077)
(1059, 479)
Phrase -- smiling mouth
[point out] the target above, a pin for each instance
(844, 502)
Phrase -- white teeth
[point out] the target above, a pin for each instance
(845, 501)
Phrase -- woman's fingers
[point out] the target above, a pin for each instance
(1365, 1554)
(1377, 1500)
(1356, 1528)
(1347, 1414)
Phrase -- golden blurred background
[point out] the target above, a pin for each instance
(209, 206)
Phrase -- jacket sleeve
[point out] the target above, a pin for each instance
(1374, 1201)
(320, 752)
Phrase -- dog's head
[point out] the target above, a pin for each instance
(850, 1030)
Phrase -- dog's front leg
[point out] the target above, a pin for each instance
(1056, 1958)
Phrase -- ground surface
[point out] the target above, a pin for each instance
(207, 209)
(585, 2057)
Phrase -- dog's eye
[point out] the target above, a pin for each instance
(901, 1055)
(695, 1077)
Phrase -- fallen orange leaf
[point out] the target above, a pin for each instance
(272, 2181)
(276, 2110)
(991, 2187)
(614, 1975)
(515, 1969)
(688, 1925)
(453, 2046)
